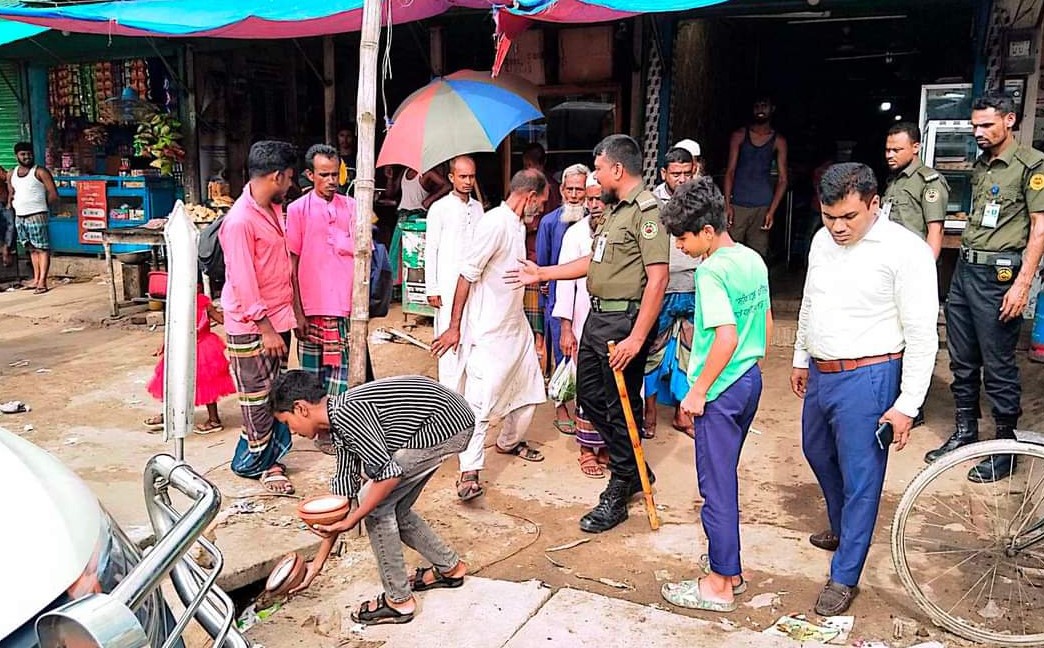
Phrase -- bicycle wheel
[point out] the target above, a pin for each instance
(972, 555)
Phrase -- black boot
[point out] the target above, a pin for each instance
(611, 509)
(636, 483)
(995, 467)
(967, 431)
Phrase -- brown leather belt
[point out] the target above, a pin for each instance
(837, 366)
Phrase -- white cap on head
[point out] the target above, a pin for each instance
(689, 145)
(592, 181)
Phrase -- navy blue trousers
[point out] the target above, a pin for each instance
(720, 434)
(840, 416)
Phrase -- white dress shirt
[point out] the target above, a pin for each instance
(875, 297)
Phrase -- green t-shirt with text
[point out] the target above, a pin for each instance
(731, 288)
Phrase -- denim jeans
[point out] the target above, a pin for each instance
(393, 523)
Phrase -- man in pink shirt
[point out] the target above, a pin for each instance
(320, 234)
(258, 300)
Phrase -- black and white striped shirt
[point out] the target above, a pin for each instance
(371, 422)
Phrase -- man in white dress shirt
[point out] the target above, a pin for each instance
(864, 355)
(450, 231)
(502, 377)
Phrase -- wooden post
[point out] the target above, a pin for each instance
(436, 50)
(366, 122)
(190, 167)
(330, 89)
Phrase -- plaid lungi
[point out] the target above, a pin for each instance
(534, 313)
(586, 434)
(264, 440)
(324, 351)
(32, 231)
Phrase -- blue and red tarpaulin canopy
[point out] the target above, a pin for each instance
(299, 19)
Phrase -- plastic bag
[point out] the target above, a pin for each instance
(562, 386)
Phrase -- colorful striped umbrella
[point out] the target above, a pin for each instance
(465, 112)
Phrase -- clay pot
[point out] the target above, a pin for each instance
(323, 509)
(288, 573)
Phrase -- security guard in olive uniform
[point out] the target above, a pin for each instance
(1000, 251)
(627, 277)
(917, 195)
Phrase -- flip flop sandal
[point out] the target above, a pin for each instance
(565, 426)
(40, 291)
(468, 487)
(648, 431)
(441, 580)
(208, 428)
(590, 467)
(154, 423)
(686, 594)
(270, 478)
(706, 569)
(523, 451)
(384, 613)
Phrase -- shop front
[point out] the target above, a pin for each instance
(112, 141)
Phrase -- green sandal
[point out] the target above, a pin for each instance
(686, 594)
(565, 426)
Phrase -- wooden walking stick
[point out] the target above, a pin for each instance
(636, 443)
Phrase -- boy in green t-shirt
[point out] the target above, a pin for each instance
(732, 324)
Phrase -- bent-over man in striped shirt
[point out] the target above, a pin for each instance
(396, 432)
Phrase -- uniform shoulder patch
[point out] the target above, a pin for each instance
(931, 195)
(650, 229)
(1036, 181)
(646, 201)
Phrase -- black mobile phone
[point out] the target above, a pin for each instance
(885, 434)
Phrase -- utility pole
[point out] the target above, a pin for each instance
(366, 123)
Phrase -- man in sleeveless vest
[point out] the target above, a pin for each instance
(31, 192)
(751, 195)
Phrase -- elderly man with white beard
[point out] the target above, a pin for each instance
(552, 229)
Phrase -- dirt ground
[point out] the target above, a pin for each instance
(86, 388)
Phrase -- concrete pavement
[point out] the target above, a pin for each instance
(488, 613)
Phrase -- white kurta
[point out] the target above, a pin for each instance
(572, 301)
(502, 372)
(450, 231)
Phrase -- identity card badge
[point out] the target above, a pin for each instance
(599, 249)
(990, 214)
(885, 210)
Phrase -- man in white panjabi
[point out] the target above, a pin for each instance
(450, 232)
(502, 377)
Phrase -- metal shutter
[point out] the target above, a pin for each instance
(14, 119)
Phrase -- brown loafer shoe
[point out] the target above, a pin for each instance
(835, 599)
(825, 540)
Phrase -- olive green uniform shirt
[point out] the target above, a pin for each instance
(630, 238)
(1014, 181)
(916, 196)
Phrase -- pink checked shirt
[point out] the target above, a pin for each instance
(257, 269)
(322, 235)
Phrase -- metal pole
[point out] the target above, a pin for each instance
(179, 349)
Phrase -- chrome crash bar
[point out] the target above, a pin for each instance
(176, 533)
